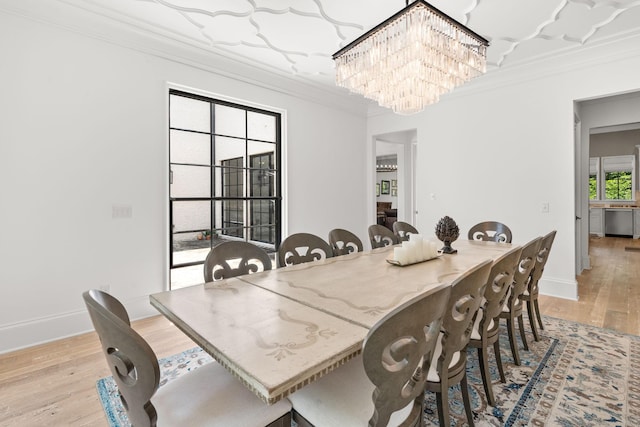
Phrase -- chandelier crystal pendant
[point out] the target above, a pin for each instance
(409, 60)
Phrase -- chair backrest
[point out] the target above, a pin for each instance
(397, 353)
(344, 242)
(132, 362)
(402, 230)
(522, 275)
(303, 247)
(490, 231)
(541, 261)
(498, 284)
(380, 236)
(234, 258)
(466, 296)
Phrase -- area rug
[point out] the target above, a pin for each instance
(576, 375)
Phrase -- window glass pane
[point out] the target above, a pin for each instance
(261, 126)
(188, 113)
(230, 218)
(618, 185)
(230, 121)
(190, 181)
(191, 247)
(255, 147)
(263, 227)
(190, 147)
(593, 187)
(191, 215)
(228, 148)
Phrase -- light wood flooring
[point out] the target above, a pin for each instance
(54, 384)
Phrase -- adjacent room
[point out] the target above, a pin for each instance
(264, 212)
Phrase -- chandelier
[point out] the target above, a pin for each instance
(409, 60)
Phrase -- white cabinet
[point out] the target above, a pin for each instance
(636, 223)
(596, 221)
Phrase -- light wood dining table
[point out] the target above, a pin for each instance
(280, 329)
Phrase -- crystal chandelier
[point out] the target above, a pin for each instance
(412, 58)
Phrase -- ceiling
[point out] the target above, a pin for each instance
(298, 37)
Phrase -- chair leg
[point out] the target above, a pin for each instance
(465, 398)
(483, 360)
(511, 328)
(496, 350)
(442, 399)
(532, 320)
(522, 334)
(537, 307)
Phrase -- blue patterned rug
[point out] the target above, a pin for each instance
(576, 375)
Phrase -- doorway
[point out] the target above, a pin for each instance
(393, 181)
(596, 116)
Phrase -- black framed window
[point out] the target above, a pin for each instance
(224, 182)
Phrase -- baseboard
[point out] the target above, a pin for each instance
(43, 330)
(567, 289)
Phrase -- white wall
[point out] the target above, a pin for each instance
(83, 128)
(503, 146)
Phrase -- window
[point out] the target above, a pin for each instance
(224, 183)
(618, 185)
(612, 178)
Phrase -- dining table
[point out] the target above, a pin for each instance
(278, 330)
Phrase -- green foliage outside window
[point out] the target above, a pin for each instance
(617, 185)
(593, 187)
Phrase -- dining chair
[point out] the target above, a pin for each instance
(530, 296)
(208, 396)
(402, 230)
(384, 386)
(302, 247)
(490, 231)
(380, 236)
(448, 366)
(512, 310)
(486, 326)
(344, 242)
(234, 258)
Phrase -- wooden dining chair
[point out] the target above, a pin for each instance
(448, 366)
(208, 396)
(530, 296)
(486, 326)
(302, 247)
(234, 258)
(490, 231)
(384, 386)
(380, 236)
(344, 242)
(402, 230)
(513, 308)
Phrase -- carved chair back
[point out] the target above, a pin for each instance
(397, 353)
(402, 230)
(522, 274)
(131, 360)
(490, 231)
(344, 242)
(498, 285)
(303, 247)
(541, 261)
(380, 236)
(234, 258)
(466, 296)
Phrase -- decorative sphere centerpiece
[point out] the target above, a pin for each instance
(447, 231)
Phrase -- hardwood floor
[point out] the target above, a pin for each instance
(54, 384)
(609, 293)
